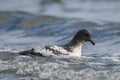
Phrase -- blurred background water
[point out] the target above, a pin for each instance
(86, 9)
(28, 23)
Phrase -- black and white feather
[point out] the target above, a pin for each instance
(71, 49)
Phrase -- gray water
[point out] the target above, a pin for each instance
(30, 23)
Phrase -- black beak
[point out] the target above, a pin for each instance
(92, 42)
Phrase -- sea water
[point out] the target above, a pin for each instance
(26, 24)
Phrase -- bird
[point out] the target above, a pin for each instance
(71, 49)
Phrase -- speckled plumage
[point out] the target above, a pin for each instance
(71, 49)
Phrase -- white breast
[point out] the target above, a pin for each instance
(76, 51)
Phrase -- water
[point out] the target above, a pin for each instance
(23, 30)
(87, 9)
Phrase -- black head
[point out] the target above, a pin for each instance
(83, 36)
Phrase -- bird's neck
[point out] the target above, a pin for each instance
(75, 48)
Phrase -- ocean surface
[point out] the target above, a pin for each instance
(29, 23)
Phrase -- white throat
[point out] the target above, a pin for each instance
(76, 51)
